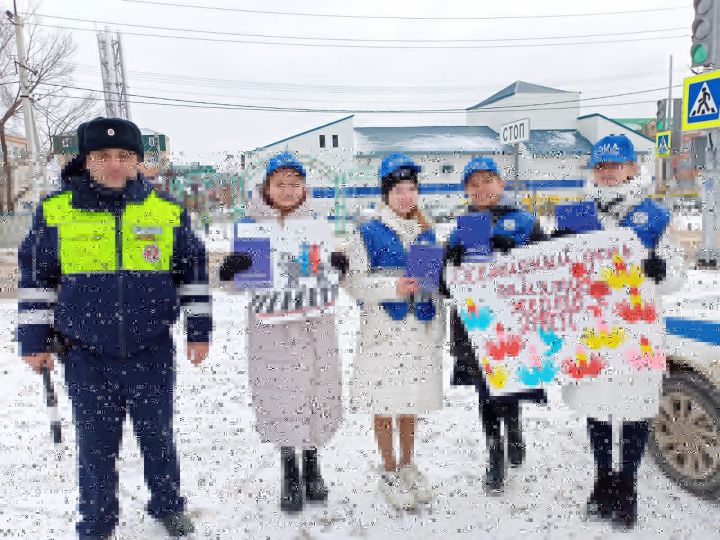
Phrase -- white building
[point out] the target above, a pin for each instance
(339, 154)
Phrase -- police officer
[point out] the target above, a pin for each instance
(107, 265)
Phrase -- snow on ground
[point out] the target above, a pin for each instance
(231, 479)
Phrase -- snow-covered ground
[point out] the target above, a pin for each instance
(231, 479)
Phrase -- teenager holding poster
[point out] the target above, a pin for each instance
(619, 196)
(294, 366)
(398, 369)
(509, 226)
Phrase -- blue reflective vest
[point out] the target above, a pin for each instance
(517, 224)
(386, 252)
(648, 220)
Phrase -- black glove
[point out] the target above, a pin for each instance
(562, 233)
(340, 262)
(454, 254)
(502, 243)
(654, 267)
(234, 264)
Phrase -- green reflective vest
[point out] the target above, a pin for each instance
(89, 241)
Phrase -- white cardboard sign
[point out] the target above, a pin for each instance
(304, 283)
(577, 308)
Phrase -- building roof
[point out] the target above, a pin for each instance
(304, 133)
(428, 139)
(623, 126)
(636, 124)
(557, 141)
(518, 87)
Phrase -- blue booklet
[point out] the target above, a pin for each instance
(425, 263)
(580, 217)
(260, 274)
(474, 232)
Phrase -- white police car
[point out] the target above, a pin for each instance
(685, 440)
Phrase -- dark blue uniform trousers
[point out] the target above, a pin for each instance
(103, 390)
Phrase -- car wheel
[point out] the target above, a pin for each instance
(685, 439)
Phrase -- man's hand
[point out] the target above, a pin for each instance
(197, 352)
(406, 286)
(38, 360)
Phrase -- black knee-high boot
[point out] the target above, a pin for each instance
(634, 439)
(515, 443)
(602, 498)
(315, 488)
(291, 496)
(495, 472)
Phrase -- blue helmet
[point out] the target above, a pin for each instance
(612, 149)
(479, 164)
(394, 162)
(284, 160)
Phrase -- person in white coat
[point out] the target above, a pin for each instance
(621, 199)
(398, 368)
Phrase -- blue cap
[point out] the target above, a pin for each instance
(284, 160)
(395, 162)
(479, 164)
(612, 149)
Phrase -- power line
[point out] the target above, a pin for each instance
(264, 86)
(213, 104)
(414, 18)
(316, 111)
(263, 98)
(377, 47)
(360, 40)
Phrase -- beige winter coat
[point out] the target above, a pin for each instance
(294, 368)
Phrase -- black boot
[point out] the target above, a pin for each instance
(601, 499)
(315, 489)
(516, 446)
(495, 473)
(625, 503)
(291, 497)
(177, 525)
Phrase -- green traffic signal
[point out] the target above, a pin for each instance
(660, 126)
(699, 53)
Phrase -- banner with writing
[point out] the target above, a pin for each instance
(571, 309)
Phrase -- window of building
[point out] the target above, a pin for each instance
(335, 141)
(322, 141)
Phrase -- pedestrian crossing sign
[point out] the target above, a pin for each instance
(662, 143)
(701, 101)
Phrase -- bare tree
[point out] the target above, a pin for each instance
(60, 114)
(49, 74)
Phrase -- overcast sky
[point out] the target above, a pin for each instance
(364, 78)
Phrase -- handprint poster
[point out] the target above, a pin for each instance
(304, 284)
(563, 311)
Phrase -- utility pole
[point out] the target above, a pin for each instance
(705, 54)
(33, 149)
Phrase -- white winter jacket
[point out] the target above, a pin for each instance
(635, 398)
(398, 368)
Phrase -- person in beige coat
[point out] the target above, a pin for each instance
(398, 368)
(294, 367)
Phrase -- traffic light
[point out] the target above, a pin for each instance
(704, 49)
(661, 123)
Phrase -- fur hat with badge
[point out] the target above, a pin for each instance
(102, 133)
